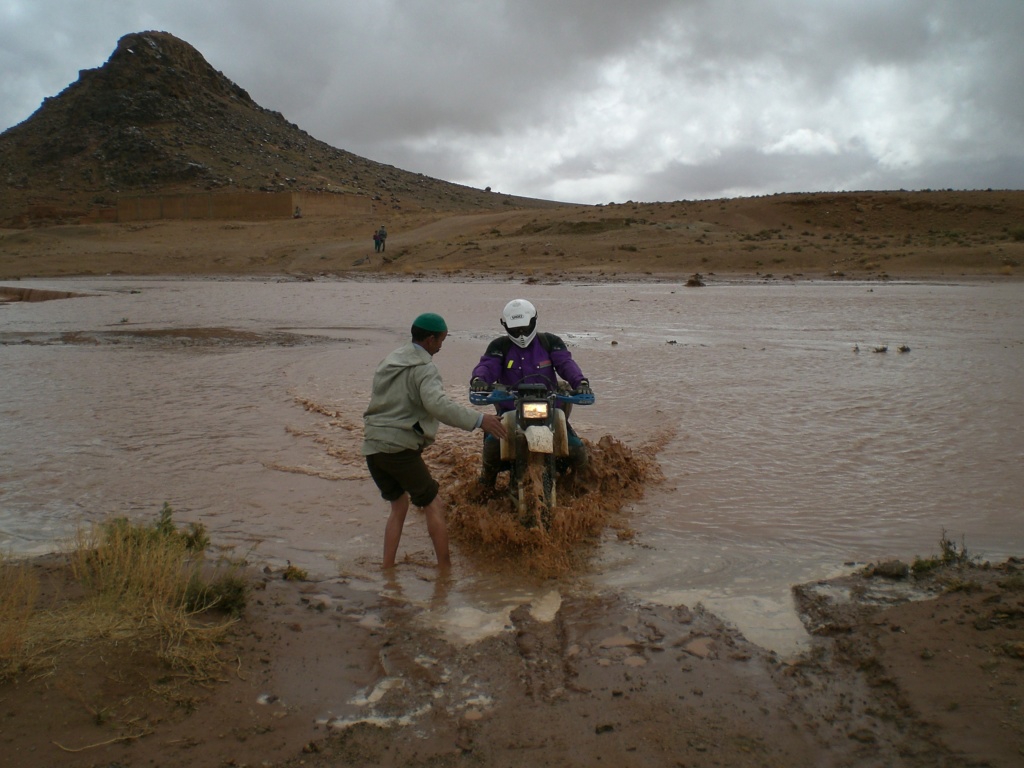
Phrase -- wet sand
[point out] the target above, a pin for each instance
(329, 674)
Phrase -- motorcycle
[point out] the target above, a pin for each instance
(537, 445)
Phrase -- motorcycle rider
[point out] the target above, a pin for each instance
(523, 355)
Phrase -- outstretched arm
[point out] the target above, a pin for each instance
(447, 411)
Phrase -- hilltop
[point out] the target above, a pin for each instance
(158, 118)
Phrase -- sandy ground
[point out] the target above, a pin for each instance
(841, 236)
(329, 674)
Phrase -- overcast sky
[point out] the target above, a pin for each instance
(595, 101)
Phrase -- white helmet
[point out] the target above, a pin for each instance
(519, 319)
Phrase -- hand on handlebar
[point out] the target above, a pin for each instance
(479, 385)
(583, 388)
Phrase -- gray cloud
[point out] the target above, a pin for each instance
(596, 100)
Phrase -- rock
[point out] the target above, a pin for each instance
(891, 569)
(701, 647)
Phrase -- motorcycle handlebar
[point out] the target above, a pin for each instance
(494, 396)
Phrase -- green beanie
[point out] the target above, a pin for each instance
(430, 321)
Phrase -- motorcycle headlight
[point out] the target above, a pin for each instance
(535, 410)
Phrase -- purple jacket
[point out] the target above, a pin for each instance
(508, 364)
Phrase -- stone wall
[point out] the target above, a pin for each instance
(327, 204)
(239, 206)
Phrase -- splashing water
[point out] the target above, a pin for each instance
(486, 525)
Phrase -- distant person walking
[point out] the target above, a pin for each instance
(383, 235)
(376, 242)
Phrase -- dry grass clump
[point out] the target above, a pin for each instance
(951, 554)
(136, 582)
(18, 592)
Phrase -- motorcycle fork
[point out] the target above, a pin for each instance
(520, 466)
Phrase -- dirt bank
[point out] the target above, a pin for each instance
(329, 674)
(862, 235)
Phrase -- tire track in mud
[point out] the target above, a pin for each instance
(603, 676)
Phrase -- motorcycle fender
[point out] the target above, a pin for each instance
(508, 447)
(540, 439)
(561, 436)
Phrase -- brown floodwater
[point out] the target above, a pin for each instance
(775, 453)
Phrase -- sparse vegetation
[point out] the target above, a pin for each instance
(294, 573)
(139, 583)
(949, 554)
(18, 592)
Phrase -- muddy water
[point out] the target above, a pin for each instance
(786, 455)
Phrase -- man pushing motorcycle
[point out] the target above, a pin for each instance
(525, 356)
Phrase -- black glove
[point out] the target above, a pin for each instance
(479, 385)
(583, 388)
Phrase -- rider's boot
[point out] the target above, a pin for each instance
(579, 457)
(490, 462)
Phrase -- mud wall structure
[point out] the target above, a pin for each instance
(240, 206)
(328, 204)
(9, 293)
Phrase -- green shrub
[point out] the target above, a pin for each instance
(950, 554)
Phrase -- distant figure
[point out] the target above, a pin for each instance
(383, 235)
(376, 242)
(298, 213)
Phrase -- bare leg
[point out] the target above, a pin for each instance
(438, 530)
(393, 529)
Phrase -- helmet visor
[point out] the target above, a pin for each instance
(520, 331)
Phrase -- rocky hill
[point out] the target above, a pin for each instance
(157, 117)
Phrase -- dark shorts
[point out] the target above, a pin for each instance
(402, 472)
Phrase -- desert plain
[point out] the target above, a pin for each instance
(866, 236)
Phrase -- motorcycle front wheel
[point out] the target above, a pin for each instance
(536, 488)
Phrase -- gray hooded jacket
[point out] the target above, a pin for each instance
(408, 402)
